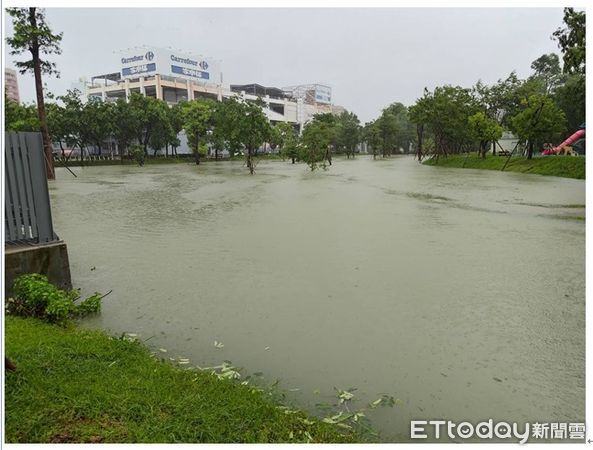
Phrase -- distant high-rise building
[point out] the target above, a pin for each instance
(11, 85)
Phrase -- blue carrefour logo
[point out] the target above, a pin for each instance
(204, 65)
(149, 56)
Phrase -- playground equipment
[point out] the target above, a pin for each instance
(566, 147)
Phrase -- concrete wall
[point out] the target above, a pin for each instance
(49, 259)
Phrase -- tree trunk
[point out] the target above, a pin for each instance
(250, 161)
(197, 155)
(530, 150)
(47, 147)
(420, 132)
(293, 160)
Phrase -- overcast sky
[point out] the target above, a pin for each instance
(370, 57)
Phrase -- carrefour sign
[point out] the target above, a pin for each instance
(190, 62)
(168, 63)
(148, 56)
(190, 72)
(137, 70)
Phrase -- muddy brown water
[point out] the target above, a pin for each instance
(461, 293)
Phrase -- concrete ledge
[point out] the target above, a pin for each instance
(50, 260)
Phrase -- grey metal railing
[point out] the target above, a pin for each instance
(27, 211)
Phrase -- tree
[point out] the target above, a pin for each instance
(547, 70)
(20, 117)
(197, 121)
(76, 133)
(318, 135)
(388, 129)
(243, 125)
(484, 130)
(287, 139)
(445, 113)
(57, 125)
(570, 97)
(253, 129)
(222, 132)
(33, 34)
(347, 133)
(125, 126)
(97, 121)
(571, 40)
(175, 117)
(372, 137)
(419, 115)
(149, 113)
(540, 121)
(403, 135)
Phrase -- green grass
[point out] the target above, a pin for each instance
(557, 166)
(78, 385)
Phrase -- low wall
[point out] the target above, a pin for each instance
(48, 259)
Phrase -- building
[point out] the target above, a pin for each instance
(11, 85)
(174, 76)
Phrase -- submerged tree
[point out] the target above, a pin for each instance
(246, 126)
(318, 136)
(125, 125)
(97, 120)
(32, 34)
(149, 113)
(347, 133)
(288, 140)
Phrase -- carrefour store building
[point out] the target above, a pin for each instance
(174, 76)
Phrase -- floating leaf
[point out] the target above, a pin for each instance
(164, 350)
(345, 396)
(218, 344)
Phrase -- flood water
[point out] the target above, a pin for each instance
(459, 292)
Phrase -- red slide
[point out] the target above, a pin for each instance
(571, 140)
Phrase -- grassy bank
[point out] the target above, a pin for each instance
(76, 385)
(557, 166)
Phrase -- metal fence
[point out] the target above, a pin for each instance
(27, 209)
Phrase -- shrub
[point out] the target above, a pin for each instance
(35, 296)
